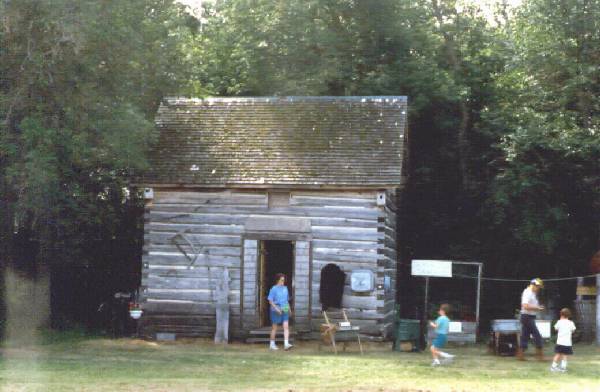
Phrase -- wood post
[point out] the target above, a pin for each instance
(222, 307)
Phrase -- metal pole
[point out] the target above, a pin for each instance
(426, 298)
(425, 321)
(579, 284)
(598, 309)
(479, 269)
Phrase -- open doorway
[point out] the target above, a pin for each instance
(275, 257)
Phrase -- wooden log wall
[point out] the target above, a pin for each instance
(302, 286)
(390, 260)
(188, 238)
(249, 312)
(191, 235)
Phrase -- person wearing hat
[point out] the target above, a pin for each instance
(530, 306)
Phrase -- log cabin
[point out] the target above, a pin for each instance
(266, 185)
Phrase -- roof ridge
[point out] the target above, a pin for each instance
(292, 98)
(314, 140)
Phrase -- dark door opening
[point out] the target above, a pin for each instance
(331, 289)
(275, 257)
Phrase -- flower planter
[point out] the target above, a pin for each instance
(135, 313)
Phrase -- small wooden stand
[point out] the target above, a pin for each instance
(329, 332)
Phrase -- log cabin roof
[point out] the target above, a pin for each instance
(316, 141)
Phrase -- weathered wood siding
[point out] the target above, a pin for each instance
(249, 312)
(390, 259)
(302, 285)
(191, 235)
(175, 277)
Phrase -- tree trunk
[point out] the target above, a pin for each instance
(465, 116)
(6, 222)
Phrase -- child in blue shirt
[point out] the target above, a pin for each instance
(279, 311)
(441, 325)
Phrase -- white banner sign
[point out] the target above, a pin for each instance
(438, 268)
(544, 327)
(455, 326)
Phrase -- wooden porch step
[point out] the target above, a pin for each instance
(262, 335)
(267, 340)
(267, 331)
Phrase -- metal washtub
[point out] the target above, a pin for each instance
(506, 325)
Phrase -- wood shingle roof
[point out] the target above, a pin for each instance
(316, 141)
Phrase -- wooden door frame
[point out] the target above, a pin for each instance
(249, 317)
(260, 275)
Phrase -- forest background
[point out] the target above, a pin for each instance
(504, 137)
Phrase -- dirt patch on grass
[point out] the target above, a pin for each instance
(310, 347)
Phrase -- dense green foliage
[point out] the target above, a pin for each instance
(504, 135)
(80, 83)
(503, 123)
(547, 188)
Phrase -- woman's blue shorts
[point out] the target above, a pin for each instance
(277, 318)
(440, 340)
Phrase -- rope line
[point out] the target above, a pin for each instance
(524, 280)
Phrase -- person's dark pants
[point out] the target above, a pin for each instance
(528, 327)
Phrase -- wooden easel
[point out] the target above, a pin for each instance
(329, 331)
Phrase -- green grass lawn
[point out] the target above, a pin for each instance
(94, 364)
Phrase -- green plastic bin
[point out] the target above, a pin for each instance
(407, 330)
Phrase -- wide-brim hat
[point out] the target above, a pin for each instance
(537, 282)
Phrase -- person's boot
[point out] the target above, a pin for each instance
(539, 354)
(520, 354)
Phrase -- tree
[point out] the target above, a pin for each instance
(80, 84)
(442, 56)
(548, 183)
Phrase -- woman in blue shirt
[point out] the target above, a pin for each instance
(279, 311)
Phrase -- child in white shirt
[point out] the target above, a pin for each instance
(564, 343)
